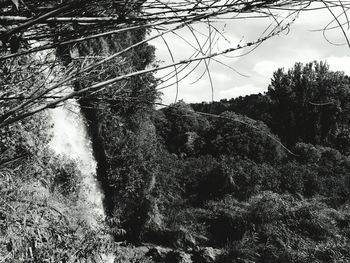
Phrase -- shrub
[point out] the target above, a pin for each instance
(236, 135)
(280, 228)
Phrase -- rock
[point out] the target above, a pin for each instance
(177, 257)
(155, 254)
(206, 254)
(143, 249)
(122, 243)
(183, 238)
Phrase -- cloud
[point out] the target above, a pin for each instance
(282, 51)
(318, 19)
(339, 64)
(183, 43)
(266, 68)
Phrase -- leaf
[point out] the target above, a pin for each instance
(16, 3)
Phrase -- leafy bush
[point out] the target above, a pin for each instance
(299, 179)
(39, 225)
(280, 228)
(236, 135)
(40, 208)
(240, 178)
(295, 96)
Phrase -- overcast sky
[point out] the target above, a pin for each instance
(301, 44)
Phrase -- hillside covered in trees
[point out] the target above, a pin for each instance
(263, 178)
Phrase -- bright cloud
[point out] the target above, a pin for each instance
(301, 44)
(339, 64)
(265, 68)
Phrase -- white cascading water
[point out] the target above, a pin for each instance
(71, 140)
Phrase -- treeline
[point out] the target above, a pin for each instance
(308, 103)
(263, 177)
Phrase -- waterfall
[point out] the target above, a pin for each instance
(71, 140)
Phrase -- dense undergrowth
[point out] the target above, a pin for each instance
(263, 178)
(229, 182)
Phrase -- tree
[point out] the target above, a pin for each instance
(97, 52)
(18, 141)
(279, 228)
(309, 103)
(182, 128)
(236, 135)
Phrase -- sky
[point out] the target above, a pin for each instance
(239, 74)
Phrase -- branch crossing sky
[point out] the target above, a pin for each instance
(249, 73)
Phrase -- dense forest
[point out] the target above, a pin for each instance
(263, 178)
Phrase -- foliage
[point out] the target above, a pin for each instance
(241, 191)
(40, 207)
(123, 138)
(283, 229)
(255, 106)
(174, 175)
(179, 178)
(309, 103)
(237, 135)
(181, 128)
(40, 213)
(17, 140)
